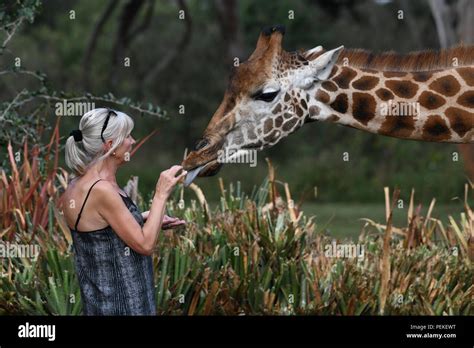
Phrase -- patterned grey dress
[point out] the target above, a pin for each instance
(113, 278)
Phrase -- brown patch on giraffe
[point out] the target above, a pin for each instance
(251, 134)
(277, 109)
(299, 110)
(459, 120)
(398, 126)
(467, 74)
(431, 100)
(333, 118)
(390, 74)
(363, 107)
(287, 115)
(402, 88)
(436, 129)
(288, 125)
(279, 121)
(322, 96)
(333, 71)
(370, 71)
(421, 76)
(329, 86)
(272, 136)
(303, 104)
(365, 83)
(467, 99)
(345, 77)
(446, 85)
(341, 103)
(268, 125)
(384, 94)
(238, 138)
(287, 97)
(314, 110)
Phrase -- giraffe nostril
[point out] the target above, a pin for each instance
(201, 143)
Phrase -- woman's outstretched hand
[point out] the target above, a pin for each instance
(168, 221)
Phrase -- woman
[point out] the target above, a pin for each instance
(112, 242)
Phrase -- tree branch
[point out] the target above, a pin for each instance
(93, 40)
(172, 54)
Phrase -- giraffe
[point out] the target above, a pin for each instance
(427, 96)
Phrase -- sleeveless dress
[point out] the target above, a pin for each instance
(113, 278)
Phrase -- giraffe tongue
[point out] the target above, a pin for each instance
(192, 175)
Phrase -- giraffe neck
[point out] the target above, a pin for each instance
(431, 106)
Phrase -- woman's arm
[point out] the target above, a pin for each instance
(142, 240)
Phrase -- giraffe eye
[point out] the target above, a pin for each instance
(200, 144)
(266, 97)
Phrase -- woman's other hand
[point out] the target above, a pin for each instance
(168, 221)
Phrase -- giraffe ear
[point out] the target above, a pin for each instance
(323, 64)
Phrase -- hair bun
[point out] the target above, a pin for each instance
(77, 134)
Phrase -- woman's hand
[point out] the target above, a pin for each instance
(168, 181)
(171, 222)
(168, 221)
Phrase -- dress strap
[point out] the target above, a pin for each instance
(85, 200)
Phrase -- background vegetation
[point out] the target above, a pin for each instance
(247, 249)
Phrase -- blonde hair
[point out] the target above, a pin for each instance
(82, 154)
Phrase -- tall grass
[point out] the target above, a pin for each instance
(255, 254)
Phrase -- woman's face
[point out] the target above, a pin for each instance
(123, 152)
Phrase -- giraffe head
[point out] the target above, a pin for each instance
(266, 99)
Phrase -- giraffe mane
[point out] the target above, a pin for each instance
(427, 60)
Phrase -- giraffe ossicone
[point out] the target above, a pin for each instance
(424, 95)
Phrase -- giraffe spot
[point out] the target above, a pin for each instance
(288, 125)
(345, 77)
(467, 99)
(287, 115)
(329, 86)
(384, 94)
(238, 138)
(272, 136)
(322, 96)
(467, 74)
(431, 100)
(421, 76)
(333, 71)
(333, 118)
(268, 125)
(402, 88)
(365, 83)
(446, 85)
(460, 120)
(314, 110)
(363, 107)
(398, 126)
(287, 97)
(303, 104)
(341, 103)
(370, 71)
(277, 109)
(394, 74)
(251, 133)
(299, 110)
(278, 121)
(436, 129)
